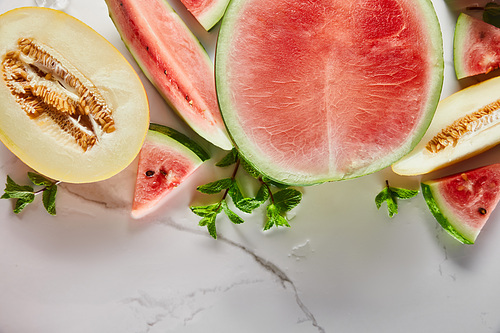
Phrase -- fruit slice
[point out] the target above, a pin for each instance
(207, 12)
(476, 47)
(165, 161)
(71, 106)
(465, 124)
(462, 203)
(174, 61)
(306, 102)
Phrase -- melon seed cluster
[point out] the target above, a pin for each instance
(42, 85)
(469, 123)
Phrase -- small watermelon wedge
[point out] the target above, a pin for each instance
(463, 202)
(206, 12)
(166, 159)
(476, 47)
(175, 62)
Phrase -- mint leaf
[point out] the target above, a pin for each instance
(206, 211)
(49, 199)
(233, 217)
(16, 191)
(285, 200)
(235, 192)
(274, 218)
(390, 195)
(249, 168)
(229, 159)
(39, 180)
(491, 14)
(216, 186)
(21, 204)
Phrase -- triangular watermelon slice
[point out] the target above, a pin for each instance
(166, 159)
(463, 202)
(207, 12)
(476, 47)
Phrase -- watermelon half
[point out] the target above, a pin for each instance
(207, 12)
(166, 159)
(327, 90)
(462, 203)
(476, 47)
(173, 59)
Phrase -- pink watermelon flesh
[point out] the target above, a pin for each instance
(174, 61)
(162, 167)
(476, 47)
(327, 90)
(462, 203)
(207, 12)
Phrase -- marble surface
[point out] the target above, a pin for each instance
(343, 266)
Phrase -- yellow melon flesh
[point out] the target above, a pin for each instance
(89, 124)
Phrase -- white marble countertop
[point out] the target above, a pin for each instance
(343, 266)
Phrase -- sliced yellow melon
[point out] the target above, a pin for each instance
(71, 106)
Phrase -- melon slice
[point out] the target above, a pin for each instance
(327, 90)
(462, 203)
(167, 158)
(476, 47)
(71, 107)
(207, 12)
(174, 61)
(465, 124)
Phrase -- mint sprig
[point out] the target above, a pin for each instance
(281, 198)
(390, 195)
(25, 194)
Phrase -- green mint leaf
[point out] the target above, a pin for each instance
(262, 194)
(235, 192)
(249, 168)
(16, 191)
(491, 14)
(206, 211)
(382, 197)
(233, 217)
(21, 204)
(274, 218)
(212, 230)
(49, 199)
(247, 205)
(287, 199)
(229, 159)
(390, 195)
(39, 180)
(216, 186)
(403, 193)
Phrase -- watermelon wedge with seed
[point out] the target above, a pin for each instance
(462, 203)
(166, 159)
(327, 90)
(476, 47)
(175, 62)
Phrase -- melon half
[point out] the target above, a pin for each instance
(71, 107)
(327, 90)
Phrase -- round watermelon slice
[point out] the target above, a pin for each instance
(207, 12)
(166, 159)
(462, 203)
(476, 47)
(327, 90)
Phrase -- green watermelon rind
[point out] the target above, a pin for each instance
(445, 218)
(263, 166)
(190, 145)
(460, 36)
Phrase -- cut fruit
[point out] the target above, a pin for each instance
(174, 61)
(306, 102)
(167, 158)
(462, 203)
(465, 124)
(207, 12)
(476, 47)
(72, 107)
